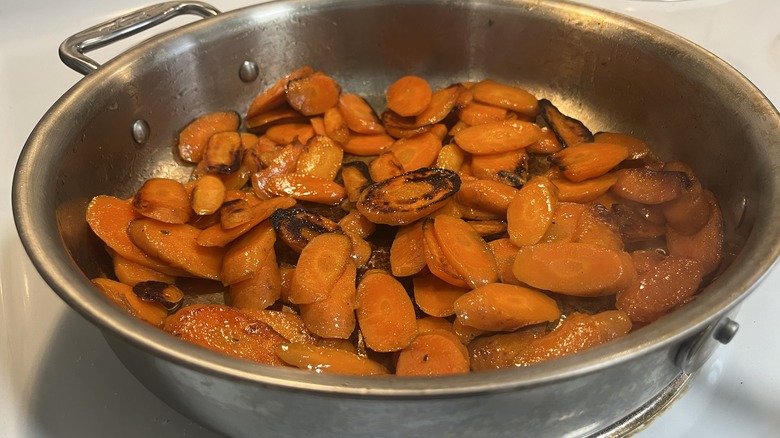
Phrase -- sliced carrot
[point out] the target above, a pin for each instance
(499, 350)
(579, 269)
(417, 151)
(451, 157)
(335, 126)
(216, 235)
(589, 160)
(286, 133)
(176, 244)
(705, 245)
(131, 273)
(259, 124)
(227, 330)
(435, 259)
(289, 325)
(584, 191)
(320, 265)
(367, 144)
(597, 225)
(505, 307)
(313, 94)
(208, 193)
(163, 199)
(297, 226)
(321, 158)
(430, 323)
(306, 188)
(385, 166)
(123, 295)
(576, 333)
(637, 149)
(433, 353)
(569, 131)
(318, 125)
(464, 332)
(407, 252)
(328, 360)
(488, 228)
(496, 137)
(465, 250)
(195, 136)
(358, 115)
(634, 222)
(442, 103)
(486, 195)
(247, 254)
(334, 317)
(498, 166)
(356, 177)
(434, 296)
(409, 95)
(385, 312)
(287, 275)
(505, 96)
(274, 96)
(475, 113)
(548, 143)
(531, 211)
(690, 210)
(355, 223)
(649, 186)
(238, 209)
(565, 222)
(261, 289)
(504, 252)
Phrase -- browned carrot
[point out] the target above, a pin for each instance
(286, 133)
(505, 96)
(417, 151)
(208, 193)
(499, 350)
(328, 360)
(320, 265)
(442, 103)
(123, 295)
(433, 353)
(531, 211)
(334, 317)
(355, 223)
(407, 252)
(579, 269)
(367, 144)
(261, 289)
(649, 186)
(488, 228)
(195, 136)
(584, 191)
(408, 95)
(335, 126)
(597, 225)
(131, 273)
(163, 199)
(356, 177)
(505, 307)
(216, 235)
(637, 149)
(313, 94)
(385, 312)
(465, 332)
(465, 250)
(690, 210)
(246, 255)
(564, 223)
(450, 157)
(306, 188)
(497, 137)
(434, 296)
(322, 158)
(274, 96)
(358, 115)
(289, 325)
(589, 160)
(548, 143)
(705, 245)
(497, 166)
(385, 166)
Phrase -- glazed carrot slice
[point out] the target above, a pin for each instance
(195, 136)
(505, 96)
(208, 194)
(286, 133)
(637, 149)
(328, 360)
(584, 191)
(705, 245)
(358, 115)
(123, 295)
(597, 225)
(690, 210)
(451, 157)
(246, 256)
(433, 353)
(589, 160)
(434, 296)
(475, 113)
(486, 195)
(385, 312)
(259, 123)
(407, 252)
(579, 269)
(649, 186)
(464, 332)
(367, 144)
(313, 94)
(320, 265)
(531, 211)
(355, 223)
(569, 131)
(131, 273)
(505, 307)
(442, 103)
(261, 289)
(417, 151)
(238, 208)
(297, 226)
(318, 125)
(465, 250)
(496, 137)
(384, 167)
(576, 333)
(504, 252)
(306, 188)
(321, 158)
(430, 323)
(223, 153)
(435, 259)
(335, 126)
(274, 96)
(565, 222)
(334, 317)
(499, 351)
(548, 143)
(409, 95)
(163, 199)
(217, 235)
(227, 330)
(356, 177)
(498, 166)
(108, 217)
(634, 222)
(289, 325)
(488, 228)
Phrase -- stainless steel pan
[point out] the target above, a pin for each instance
(117, 126)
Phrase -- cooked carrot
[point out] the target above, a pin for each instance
(358, 115)
(238, 209)
(320, 265)
(123, 295)
(328, 360)
(649, 186)
(634, 222)
(705, 245)
(433, 353)
(384, 167)
(259, 123)
(285, 133)
(434, 296)
(367, 144)
(589, 160)
(429, 323)
(407, 252)
(246, 256)
(435, 259)
(289, 325)
(163, 199)
(564, 222)
(465, 250)
(442, 103)
(131, 273)
(334, 317)
(208, 194)
(475, 113)
(504, 252)
(306, 188)
(318, 125)
(486, 195)
(223, 153)
(216, 235)
(168, 295)
(548, 143)
(297, 226)
(417, 151)
(496, 137)
(227, 330)
(356, 177)
(531, 211)
(464, 332)
(690, 210)
(499, 350)
(597, 225)
(195, 136)
(637, 149)
(176, 244)
(385, 312)
(274, 96)
(355, 223)
(488, 228)
(578, 269)
(408, 95)
(670, 283)
(321, 158)
(505, 307)
(584, 191)
(578, 332)
(313, 94)
(335, 126)
(499, 166)
(261, 289)
(451, 157)
(287, 275)
(569, 131)
(505, 96)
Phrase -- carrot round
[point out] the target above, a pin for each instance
(434, 296)
(320, 265)
(465, 250)
(497, 137)
(505, 307)
(433, 353)
(385, 312)
(334, 317)
(530, 212)
(123, 295)
(247, 255)
(407, 252)
(313, 94)
(409, 95)
(328, 360)
(260, 290)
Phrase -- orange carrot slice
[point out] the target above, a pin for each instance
(367, 144)
(531, 211)
(436, 297)
(385, 312)
(505, 96)
(584, 191)
(320, 265)
(289, 325)
(407, 252)
(496, 137)
(328, 360)
(195, 136)
(163, 199)
(486, 195)
(417, 151)
(306, 188)
(589, 160)
(433, 353)
(408, 95)
(334, 317)
(313, 94)
(505, 307)
(274, 96)
(123, 295)
(358, 115)
(261, 289)
(131, 273)
(499, 350)
(465, 250)
(435, 259)
(705, 245)
(246, 256)
(217, 235)
(442, 103)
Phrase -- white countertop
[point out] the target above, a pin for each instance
(58, 378)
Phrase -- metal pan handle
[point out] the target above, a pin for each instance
(72, 49)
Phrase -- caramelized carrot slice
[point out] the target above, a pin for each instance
(223, 153)
(569, 131)
(589, 160)
(637, 149)
(505, 96)
(260, 123)
(435, 259)
(321, 158)
(531, 211)
(289, 325)
(163, 199)
(584, 191)
(131, 273)
(598, 226)
(450, 157)
(434, 296)
(430, 323)
(433, 353)
(358, 115)
(328, 360)
(564, 223)
(384, 167)
(578, 269)
(217, 235)
(690, 210)
(499, 350)
(306, 188)
(385, 312)
(195, 136)
(649, 186)
(261, 289)
(408, 95)
(356, 177)
(417, 151)
(465, 250)
(504, 252)
(208, 194)
(274, 96)
(705, 245)
(320, 265)
(496, 137)
(465, 332)
(548, 143)
(313, 94)
(407, 252)
(367, 144)
(286, 133)
(486, 195)
(334, 317)
(475, 113)
(442, 103)
(335, 126)
(501, 166)
(505, 307)
(123, 295)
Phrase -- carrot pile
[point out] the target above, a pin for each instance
(464, 228)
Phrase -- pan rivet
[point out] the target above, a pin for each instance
(248, 71)
(140, 131)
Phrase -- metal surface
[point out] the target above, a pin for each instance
(615, 74)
